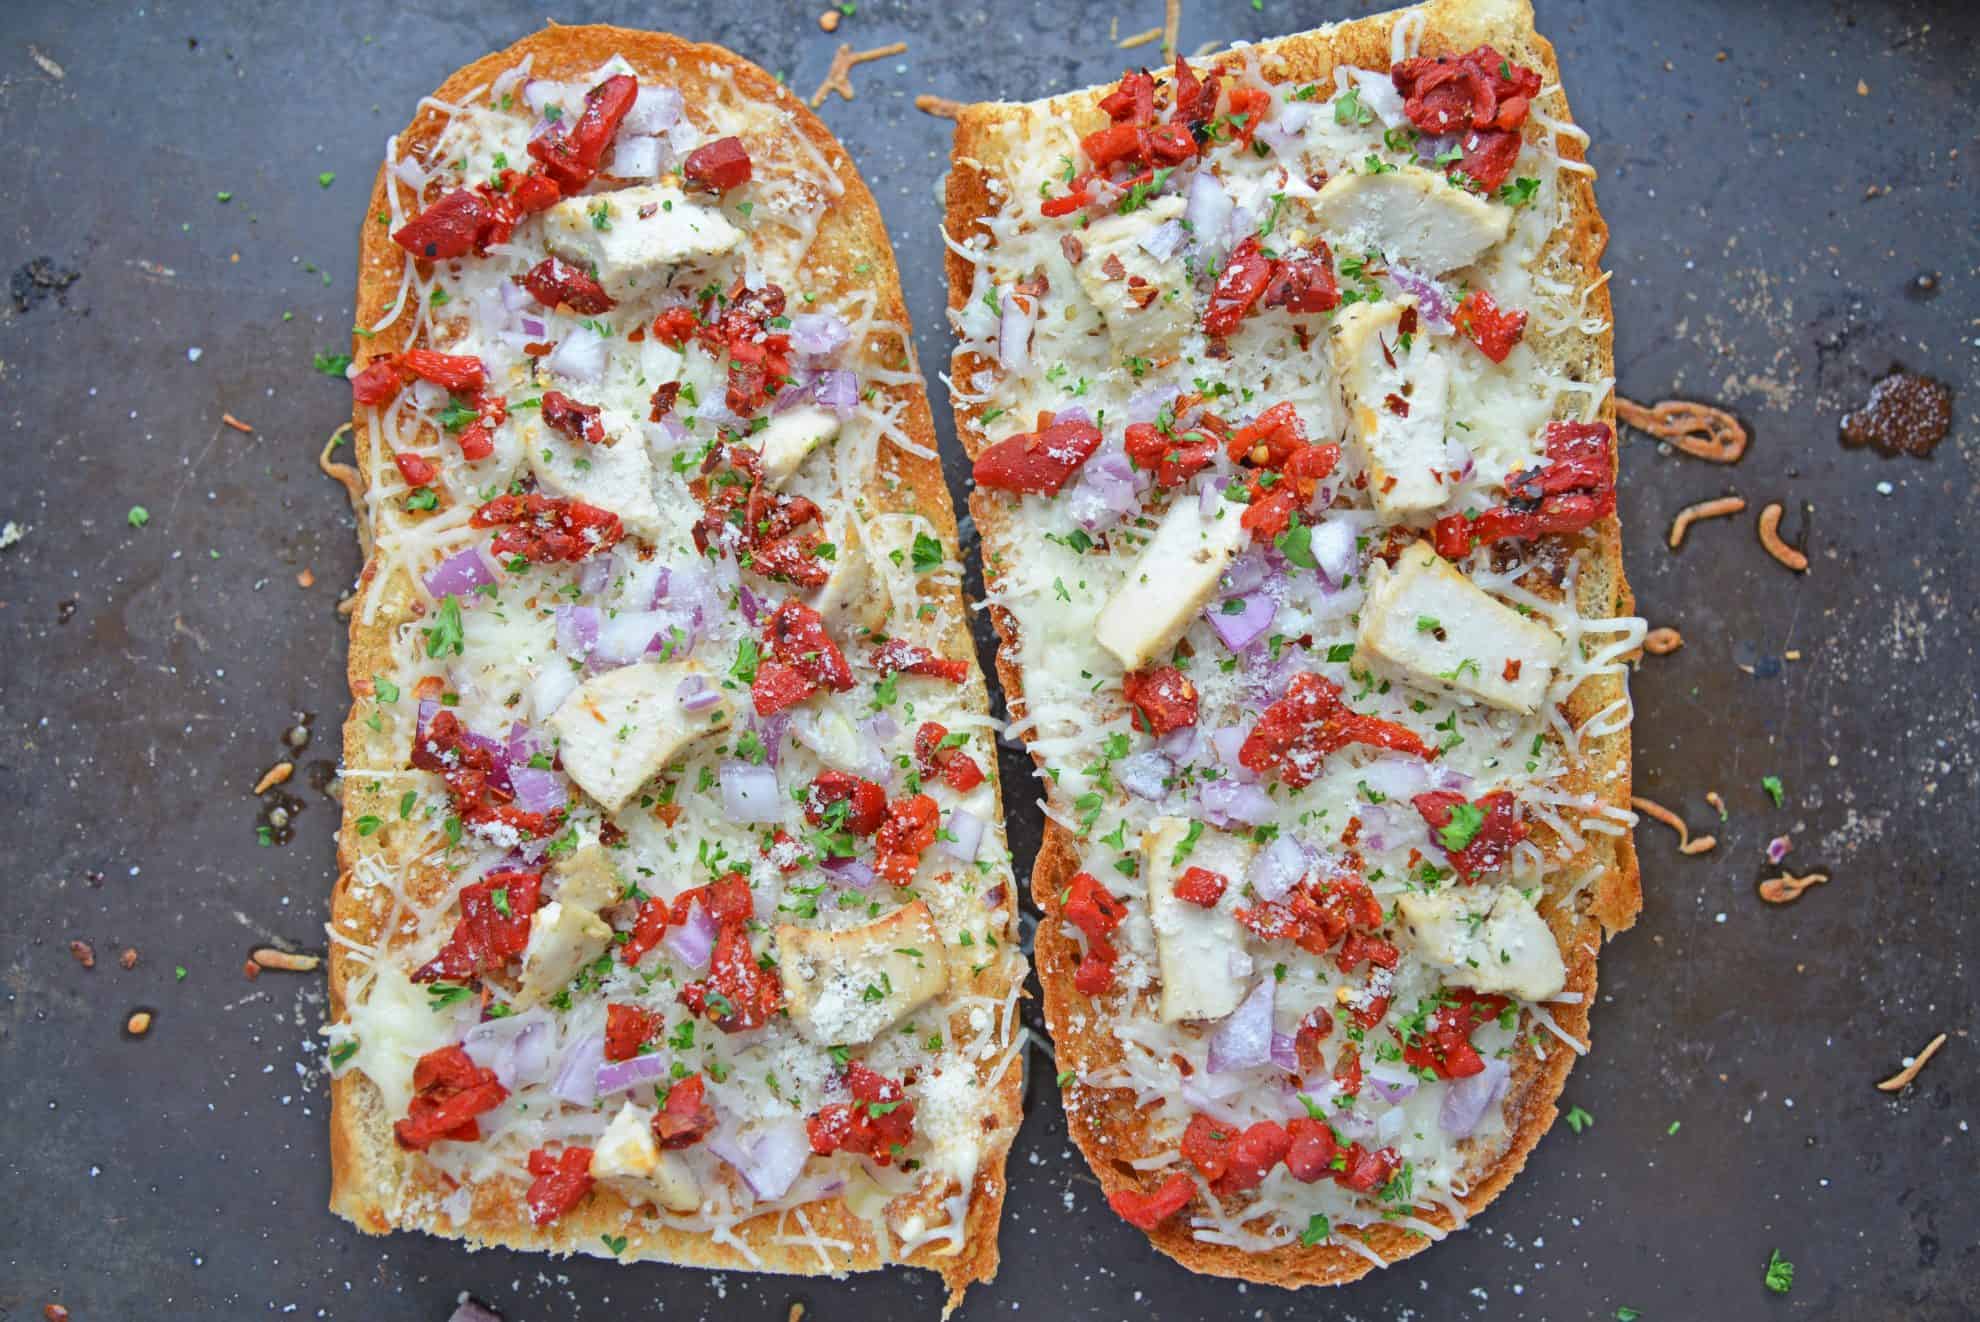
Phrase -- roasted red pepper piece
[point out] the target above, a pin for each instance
(1239, 286)
(544, 530)
(417, 470)
(580, 422)
(686, 1117)
(1297, 732)
(377, 383)
(738, 993)
(675, 327)
(1201, 887)
(554, 281)
(1163, 698)
(461, 374)
(1092, 908)
(459, 223)
(1314, 917)
(1310, 1154)
(1248, 108)
(720, 165)
(1482, 321)
(801, 660)
(908, 831)
(1490, 829)
(866, 801)
(493, 927)
(1575, 487)
(1365, 1172)
(1305, 284)
(1040, 461)
(649, 925)
(562, 1180)
(1145, 1211)
(934, 756)
(1444, 1046)
(627, 1029)
(570, 150)
(877, 1123)
(899, 657)
(1174, 457)
(1250, 1156)
(449, 1091)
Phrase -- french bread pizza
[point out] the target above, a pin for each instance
(674, 918)
(1286, 376)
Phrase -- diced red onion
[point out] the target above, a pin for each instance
(1211, 496)
(577, 1081)
(1467, 1099)
(516, 1047)
(1014, 334)
(521, 743)
(1391, 1083)
(538, 791)
(854, 872)
(1144, 774)
(541, 92)
(1165, 240)
(1181, 745)
(696, 695)
(1285, 1053)
(770, 731)
(507, 81)
(967, 828)
(469, 1310)
(1277, 868)
(1398, 779)
(837, 390)
(1430, 147)
(1226, 800)
(619, 1075)
(1334, 549)
(819, 334)
(1777, 848)
(533, 326)
(769, 1160)
(1243, 574)
(554, 682)
(1243, 223)
(460, 574)
(693, 941)
(1209, 208)
(656, 109)
(629, 635)
(580, 355)
(1432, 303)
(1247, 626)
(1108, 488)
(1244, 1040)
(639, 158)
(749, 792)
(594, 575)
(1145, 405)
(577, 630)
(1379, 94)
(1226, 742)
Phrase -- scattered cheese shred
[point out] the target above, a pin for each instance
(1770, 537)
(1704, 509)
(1902, 1079)
(1699, 430)
(839, 77)
(1686, 845)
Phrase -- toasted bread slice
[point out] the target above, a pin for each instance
(1028, 207)
(630, 662)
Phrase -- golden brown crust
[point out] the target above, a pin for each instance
(372, 1182)
(1104, 1123)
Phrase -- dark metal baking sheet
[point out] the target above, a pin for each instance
(1776, 175)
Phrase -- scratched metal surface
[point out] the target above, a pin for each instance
(148, 674)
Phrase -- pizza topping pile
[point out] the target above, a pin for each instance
(1289, 504)
(677, 870)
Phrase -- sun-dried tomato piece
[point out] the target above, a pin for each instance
(377, 383)
(900, 657)
(686, 1117)
(877, 1123)
(1481, 320)
(1479, 89)
(477, 786)
(1163, 698)
(544, 530)
(908, 831)
(570, 150)
(580, 422)
(554, 281)
(675, 327)
(1145, 1211)
(1239, 286)
(720, 165)
(1201, 887)
(1444, 1044)
(1040, 461)
(1174, 457)
(738, 993)
(1295, 734)
(628, 1028)
(449, 1091)
(417, 470)
(459, 223)
(1477, 837)
(802, 660)
(1574, 488)
(493, 927)
(562, 1180)
(866, 801)
(1310, 1154)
